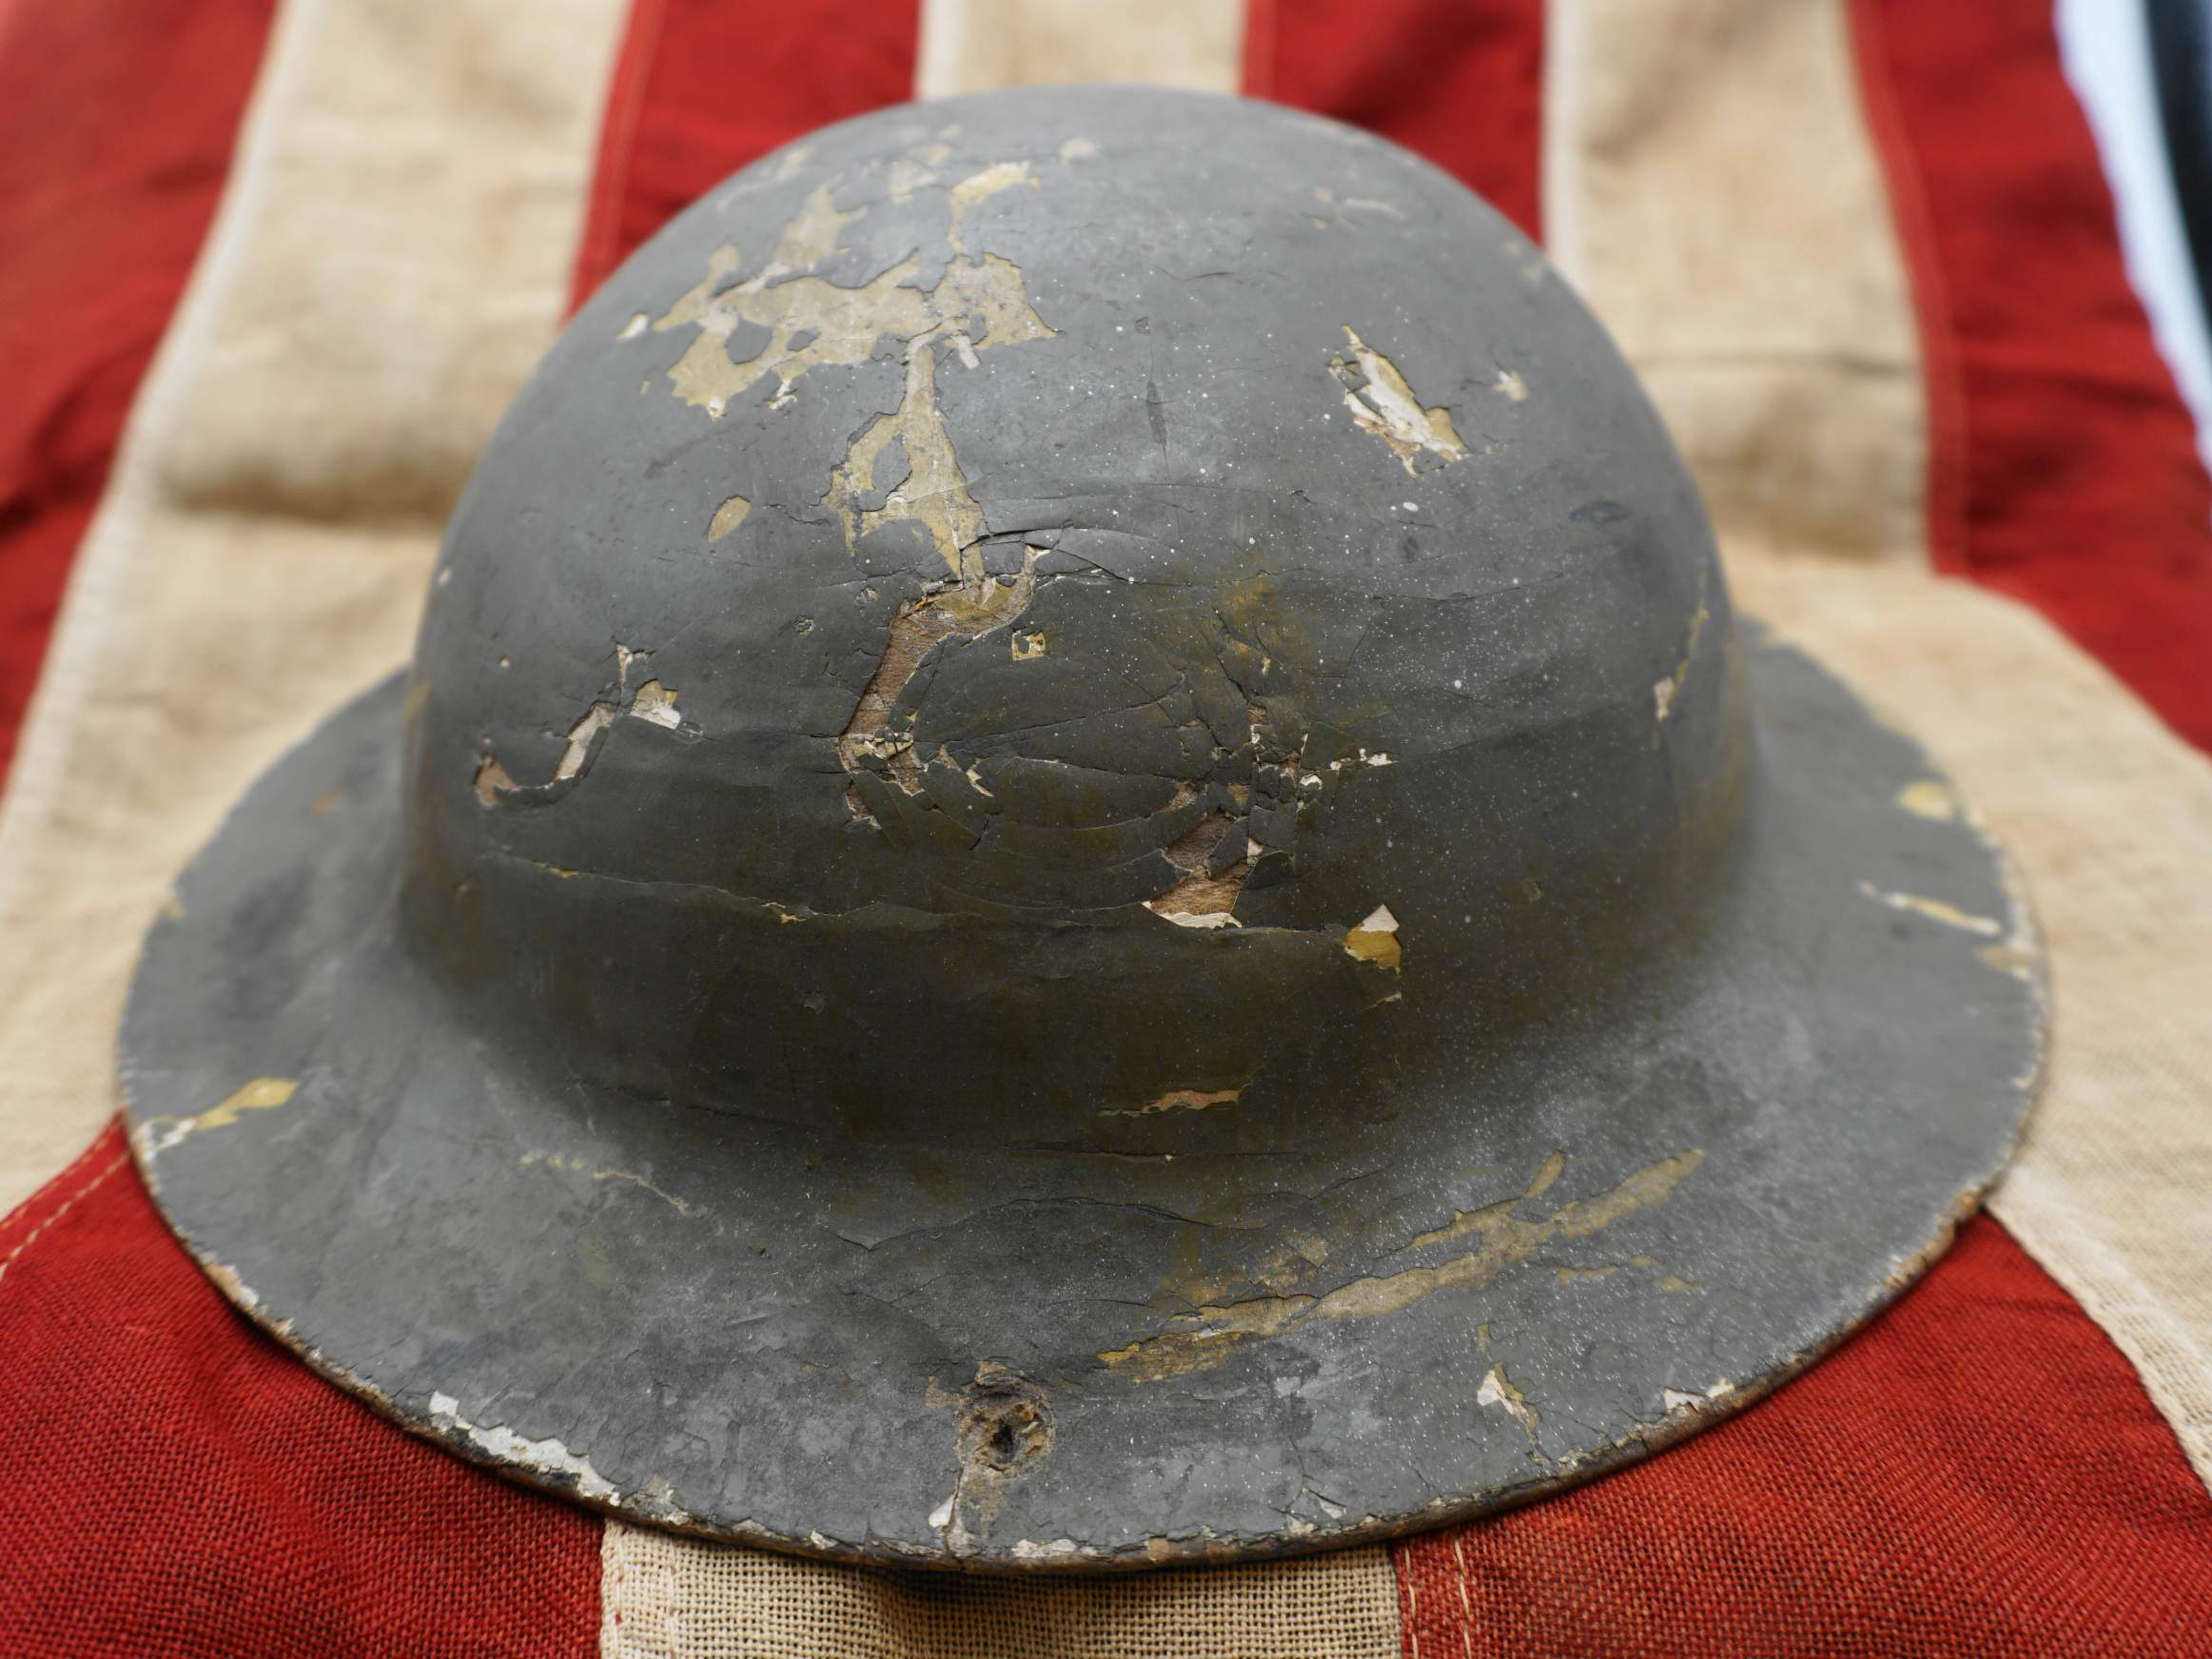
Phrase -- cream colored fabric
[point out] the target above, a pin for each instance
(1729, 224)
(1717, 197)
(969, 45)
(674, 1598)
(391, 255)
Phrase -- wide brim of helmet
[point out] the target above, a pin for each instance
(1224, 1328)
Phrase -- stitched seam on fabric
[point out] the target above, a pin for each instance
(68, 1205)
(22, 1214)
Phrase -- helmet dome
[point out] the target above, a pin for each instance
(1080, 624)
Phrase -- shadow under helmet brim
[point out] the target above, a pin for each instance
(1210, 1331)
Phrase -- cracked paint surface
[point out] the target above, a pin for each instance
(651, 702)
(944, 612)
(1499, 1391)
(629, 1177)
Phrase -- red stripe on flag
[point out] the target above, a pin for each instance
(178, 1484)
(2065, 467)
(1460, 82)
(1977, 1473)
(116, 119)
(703, 87)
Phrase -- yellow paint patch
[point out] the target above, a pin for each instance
(1179, 1100)
(1930, 798)
(262, 1094)
(1383, 404)
(1503, 1240)
(978, 305)
(933, 492)
(1666, 690)
(811, 323)
(981, 188)
(1498, 1390)
(967, 610)
(728, 516)
(655, 704)
(1376, 940)
(491, 781)
(157, 1135)
(1934, 910)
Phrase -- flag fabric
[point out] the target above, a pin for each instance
(272, 267)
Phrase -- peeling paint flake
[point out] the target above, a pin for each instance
(1665, 691)
(728, 516)
(158, 1134)
(596, 720)
(1497, 1390)
(547, 1457)
(1183, 1100)
(942, 612)
(655, 705)
(652, 703)
(1206, 896)
(979, 303)
(933, 492)
(1934, 910)
(1930, 798)
(1383, 404)
(1376, 940)
(978, 188)
(1504, 1240)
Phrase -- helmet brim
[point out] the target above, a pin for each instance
(1219, 1330)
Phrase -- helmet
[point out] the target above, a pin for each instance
(1082, 866)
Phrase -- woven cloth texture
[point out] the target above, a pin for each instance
(1981, 1472)
(157, 1522)
(672, 1598)
(1872, 1510)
